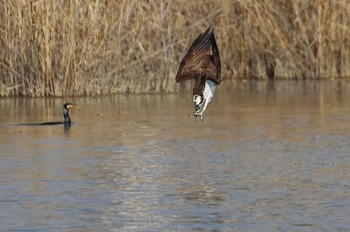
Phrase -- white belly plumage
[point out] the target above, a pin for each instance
(209, 90)
(208, 93)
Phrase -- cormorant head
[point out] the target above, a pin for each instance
(66, 107)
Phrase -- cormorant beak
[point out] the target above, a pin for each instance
(70, 106)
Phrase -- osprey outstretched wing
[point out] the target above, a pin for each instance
(202, 60)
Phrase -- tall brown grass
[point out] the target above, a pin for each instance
(59, 48)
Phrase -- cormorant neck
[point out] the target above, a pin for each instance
(67, 119)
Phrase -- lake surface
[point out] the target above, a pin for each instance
(269, 156)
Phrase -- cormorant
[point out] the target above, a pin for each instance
(67, 120)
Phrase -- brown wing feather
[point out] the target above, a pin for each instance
(194, 64)
(214, 69)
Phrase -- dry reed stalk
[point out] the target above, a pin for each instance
(59, 48)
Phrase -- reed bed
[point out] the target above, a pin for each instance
(87, 48)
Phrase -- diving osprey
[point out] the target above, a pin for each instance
(202, 63)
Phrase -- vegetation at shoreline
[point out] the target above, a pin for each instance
(88, 48)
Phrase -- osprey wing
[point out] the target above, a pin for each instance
(196, 60)
(214, 69)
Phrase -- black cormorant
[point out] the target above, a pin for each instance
(67, 120)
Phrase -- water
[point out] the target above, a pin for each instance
(268, 157)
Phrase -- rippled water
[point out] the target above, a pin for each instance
(268, 157)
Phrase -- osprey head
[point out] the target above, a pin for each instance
(199, 104)
(198, 101)
(201, 101)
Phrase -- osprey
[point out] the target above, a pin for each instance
(202, 63)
